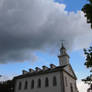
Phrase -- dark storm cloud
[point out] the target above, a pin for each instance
(30, 25)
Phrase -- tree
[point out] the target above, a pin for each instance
(7, 86)
(88, 64)
(87, 9)
(88, 53)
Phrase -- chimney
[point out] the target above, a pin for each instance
(52, 66)
(24, 72)
(44, 67)
(31, 70)
(37, 69)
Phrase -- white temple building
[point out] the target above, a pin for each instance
(54, 79)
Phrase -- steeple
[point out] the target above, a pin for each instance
(63, 57)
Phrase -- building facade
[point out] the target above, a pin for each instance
(54, 79)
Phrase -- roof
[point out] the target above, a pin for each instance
(70, 69)
(73, 71)
(36, 73)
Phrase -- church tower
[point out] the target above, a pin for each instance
(63, 57)
(54, 79)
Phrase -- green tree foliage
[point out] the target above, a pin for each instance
(88, 64)
(88, 53)
(7, 86)
(87, 9)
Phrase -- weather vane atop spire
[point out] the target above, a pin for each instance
(62, 43)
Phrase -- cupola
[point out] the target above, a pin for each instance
(63, 57)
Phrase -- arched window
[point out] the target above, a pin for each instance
(54, 81)
(26, 84)
(32, 84)
(39, 83)
(71, 87)
(66, 81)
(20, 85)
(46, 82)
(75, 86)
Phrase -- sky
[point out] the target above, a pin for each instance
(30, 34)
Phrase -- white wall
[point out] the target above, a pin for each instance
(69, 80)
(43, 88)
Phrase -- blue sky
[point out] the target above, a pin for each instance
(76, 57)
(73, 5)
(15, 35)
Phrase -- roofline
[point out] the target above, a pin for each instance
(49, 70)
(73, 71)
(69, 74)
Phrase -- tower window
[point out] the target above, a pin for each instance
(32, 84)
(39, 83)
(20, 85)
(54, 81)
(46, 82)
(26, 84)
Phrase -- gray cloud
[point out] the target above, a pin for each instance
(30, 25)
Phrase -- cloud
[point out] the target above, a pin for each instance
(4, 78)
(82, 87)
(30, 25)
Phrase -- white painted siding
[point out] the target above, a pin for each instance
(50, 88)
(70, 80)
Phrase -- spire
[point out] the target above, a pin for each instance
(63, 57)
(63, 50)
(62, 44)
